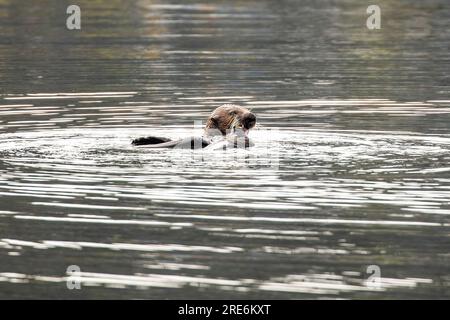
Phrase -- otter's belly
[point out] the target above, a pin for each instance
(231, 142)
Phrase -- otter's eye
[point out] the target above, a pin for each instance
(214, 121)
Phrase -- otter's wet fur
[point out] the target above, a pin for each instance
(228, 117)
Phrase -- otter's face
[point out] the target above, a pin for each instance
(248, 121)
(228, 118)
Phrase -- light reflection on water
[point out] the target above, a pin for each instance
(361, 176)
(331, 189)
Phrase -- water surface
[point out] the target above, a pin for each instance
(351, 167)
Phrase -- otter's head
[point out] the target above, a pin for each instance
(229, 117)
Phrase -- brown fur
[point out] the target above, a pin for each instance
(227, 117)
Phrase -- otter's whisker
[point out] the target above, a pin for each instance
(232, 122)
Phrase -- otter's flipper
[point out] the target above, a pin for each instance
(186, 143)
(149, 140)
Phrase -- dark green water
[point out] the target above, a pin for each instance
(355, 125)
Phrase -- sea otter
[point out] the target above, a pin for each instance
(232, 122)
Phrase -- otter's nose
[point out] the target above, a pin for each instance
(249, 121)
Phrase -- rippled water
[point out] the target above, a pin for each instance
(350, 169)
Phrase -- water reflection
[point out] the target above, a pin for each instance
(357, 122)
